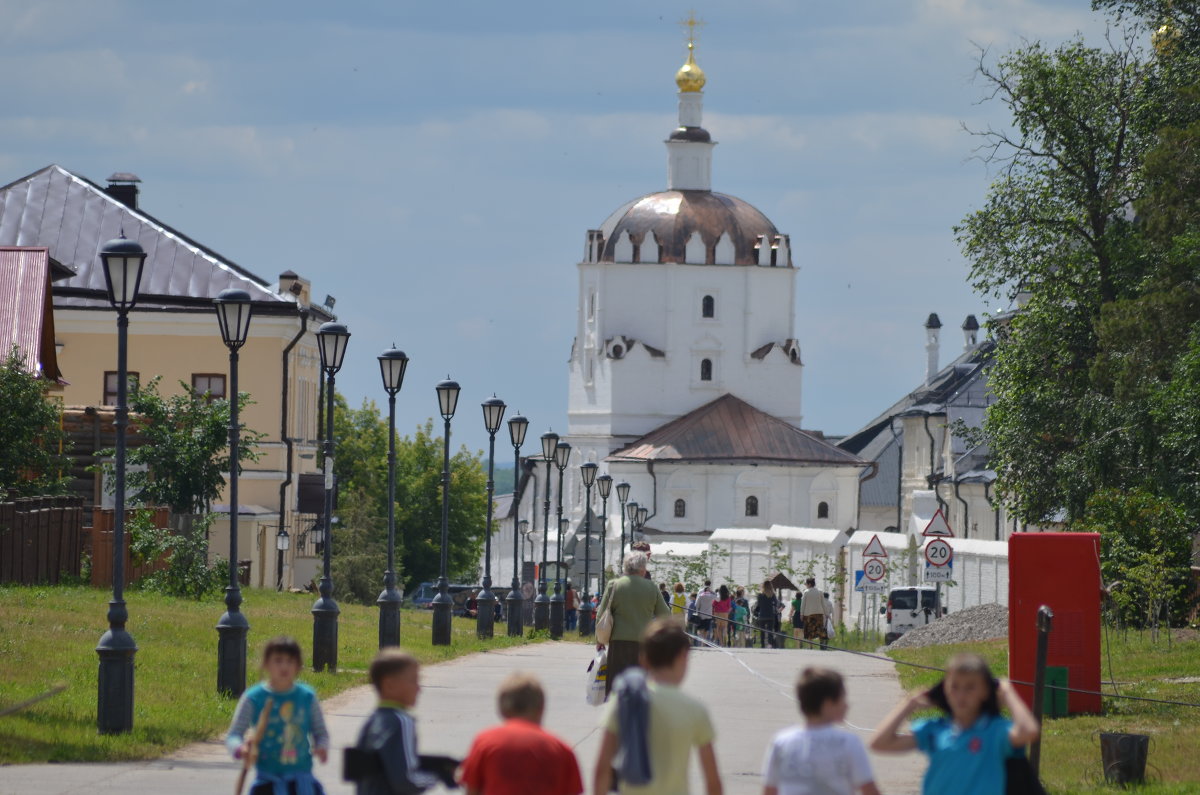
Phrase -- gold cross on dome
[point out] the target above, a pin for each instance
(691, 23)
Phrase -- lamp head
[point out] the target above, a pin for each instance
(588, 471)
(623, 492)
(123, 260)
(549, 442)
(604, 484)
(331, 344)
(642, 515)
(447, 392)
(493, 414)
(523, 527)
(517, 426)
(562, 455)
(631, 509)
(392, 364)
(283, 541)
(233, 316)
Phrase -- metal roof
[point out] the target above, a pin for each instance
(26, 315)
(73, 217)
(729, 430)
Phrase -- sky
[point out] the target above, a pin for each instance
(435, 166)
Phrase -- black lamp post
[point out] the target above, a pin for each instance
(447, 392)
(331, 343)
(604, 486)
(623, 498)
(642, 515)
(392, 364)
(588, 473)
(123, 260)
(631, 509)
(233, 316)
(562, 456)
(485, 611)
(525, 530)
(283, 542)
(541, 603)
(517, 426)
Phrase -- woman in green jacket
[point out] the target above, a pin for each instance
(633, 601)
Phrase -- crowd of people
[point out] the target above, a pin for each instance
(650, 726)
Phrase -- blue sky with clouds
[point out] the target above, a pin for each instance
(435, 166)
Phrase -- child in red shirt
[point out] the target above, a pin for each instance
(519, 757)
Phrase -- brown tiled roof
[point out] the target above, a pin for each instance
(729, 430)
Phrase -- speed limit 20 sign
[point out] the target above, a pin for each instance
(874, 569)
(938, 552)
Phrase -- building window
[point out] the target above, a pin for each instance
(210, 386)
(707, 307)
(822, 510)
(112, 380)
(706, 369)
(680, 509)
(752, 506)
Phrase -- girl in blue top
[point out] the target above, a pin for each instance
(967, 748)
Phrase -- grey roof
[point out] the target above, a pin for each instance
(73, 217)
(881, 489)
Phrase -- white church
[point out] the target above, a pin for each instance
(685, 376)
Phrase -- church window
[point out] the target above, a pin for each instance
(822, 510)
(591, 306)
(680, 509)
(707, 306)
(706, 369)
(752, 506)
(617, 351)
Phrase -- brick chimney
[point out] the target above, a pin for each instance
(122, 186)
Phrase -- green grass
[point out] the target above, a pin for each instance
(1071, 746)
(49, 634)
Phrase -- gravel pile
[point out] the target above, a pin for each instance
(983, 622)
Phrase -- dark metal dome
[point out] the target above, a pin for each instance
(660, 224)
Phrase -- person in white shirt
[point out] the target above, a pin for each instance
(818, 757)
(812, 608)
(704, 611)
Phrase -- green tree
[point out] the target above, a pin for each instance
(31, 459)
(360, 542)
(185, 449)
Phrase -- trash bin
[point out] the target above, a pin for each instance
(1124, 757)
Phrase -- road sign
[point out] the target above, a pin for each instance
(938, 527)
(939, 573)
(938, 552)
(874, 569)
(874, 587)
(875, 549)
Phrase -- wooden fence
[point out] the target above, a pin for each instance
(102, 547)
(41, 539)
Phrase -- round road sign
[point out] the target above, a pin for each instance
(938, 552)
(874, 569)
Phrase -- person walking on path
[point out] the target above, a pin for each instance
(292, 726)
(633, 601)
(390, 733)
(571, 608)
(812, 608)
(704, 611)
(655, 725)
(766, 615)
(519, 757)
(819, 757)
(722, 605)
(679, 601)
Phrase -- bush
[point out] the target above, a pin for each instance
(188, 573)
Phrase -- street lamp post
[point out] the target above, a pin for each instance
(485, 611)
(588, 473)
(517, 426)
(562, 456)
(331, 344)
(233, 316)
(642, 515)
(392, 364)
(604, 486)
(283, 542)
(447, 392)
(123, 260)
(623, 498)
(525, 530)
(631, 509)
(541, 604)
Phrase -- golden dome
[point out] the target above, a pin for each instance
(690, 77)
(1165, 38)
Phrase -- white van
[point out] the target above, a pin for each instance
(909, 608)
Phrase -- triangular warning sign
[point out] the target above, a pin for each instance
(938, 526)
(875, 549)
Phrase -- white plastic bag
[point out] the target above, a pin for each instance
(829, 630)
(597, 678)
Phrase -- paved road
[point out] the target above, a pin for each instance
(747, 693)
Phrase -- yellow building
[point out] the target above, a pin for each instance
(173, 333)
